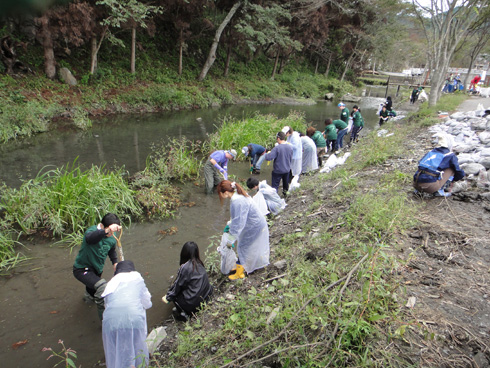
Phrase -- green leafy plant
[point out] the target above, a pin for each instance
(66, 356)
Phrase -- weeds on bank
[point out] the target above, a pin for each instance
(64, 200)
(259, 129)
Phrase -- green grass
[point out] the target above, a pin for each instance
(61, 202)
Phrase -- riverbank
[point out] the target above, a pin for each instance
(362, 273)
(32, 104)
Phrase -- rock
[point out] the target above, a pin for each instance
(459, 186)
(155, 338)
(280, 264)
(486, 196)
(473, 168)
(465, 158)
(350, 98)
(329, 96)
(67, 77)
(478, 124)
(481, 360)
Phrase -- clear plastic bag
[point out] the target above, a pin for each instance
(228, 256)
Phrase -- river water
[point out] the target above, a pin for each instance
(42, 301)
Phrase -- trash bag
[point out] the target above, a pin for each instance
(228, 256)
(349, 125)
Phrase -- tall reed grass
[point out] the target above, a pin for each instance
(64, 200)
(258, 129)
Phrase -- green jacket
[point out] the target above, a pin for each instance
(344, 115)
(331, 132)
(340, 124)
(94, 255)
(319, 139)
(358, 120)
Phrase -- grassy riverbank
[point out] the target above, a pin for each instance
(32, 102)
(335, 300)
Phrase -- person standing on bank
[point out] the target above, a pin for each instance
(248, 226)
(282, 154)
(98, 243)
(257, 156)
(438, 169)
(216, 166)
(191, 287)
(124, 327)
(320, 143)
(357, 125)
(344, 112)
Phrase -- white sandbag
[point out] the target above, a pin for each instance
(341, 160)
(228, 256)
(294, 183)
(155, 338)
(349, 125)
(423, 96)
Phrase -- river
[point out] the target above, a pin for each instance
(41, 301)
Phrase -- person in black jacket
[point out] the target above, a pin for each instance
(191, 287)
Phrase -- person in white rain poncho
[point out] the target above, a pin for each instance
(124, 328)
(248, 226)
(309, 161)
(273, 202)
(295, 140)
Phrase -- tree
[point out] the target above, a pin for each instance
(119, 13)
(267, 28)
(212, 51)
(445, 23)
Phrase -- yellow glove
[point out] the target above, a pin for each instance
(164, 299)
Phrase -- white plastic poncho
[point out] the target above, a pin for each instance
(250, 228)
(124, 327)
(261, 203)
(275, 203)
(310, 160)
(295, 141)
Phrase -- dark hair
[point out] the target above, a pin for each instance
(388, 98)
(281, 136)
(310, 131)
(227, 186)
(190, 252)
(252, 183)
(110, 219)
(328, 121)
(355, 107)
(124, 266)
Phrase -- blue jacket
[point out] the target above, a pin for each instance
(282, 154)
(449, 161)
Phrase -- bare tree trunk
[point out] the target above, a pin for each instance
(93, 55)
(95, 51)
(47, 42)
(347, 64)
(275, 66)
(212, 52)
(282, 64)
(227, 63)
(327, 71)
(133, 50)
(181, 50)
(316, 66)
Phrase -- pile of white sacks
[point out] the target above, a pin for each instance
(471, 141)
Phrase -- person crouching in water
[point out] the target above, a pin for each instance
(438, 169)
(248, 226)
(124, 327)
(358, 124)
(191, 287)
(98, 244)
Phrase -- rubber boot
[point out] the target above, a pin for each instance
(99, 301)
(239, 274)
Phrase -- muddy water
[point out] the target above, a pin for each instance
(42, 301)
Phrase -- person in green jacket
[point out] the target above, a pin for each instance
(320, 142)
(357, 125)
(330, 134)
(98, 243)
(344, 113)
(384, 115)
(341, 127)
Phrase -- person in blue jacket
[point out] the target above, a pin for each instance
(282, 154)
(438, 169)
(217, 165)
(257, 156)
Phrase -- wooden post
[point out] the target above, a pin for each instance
(387, 86)
(397, 90)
